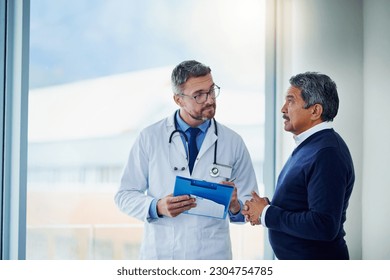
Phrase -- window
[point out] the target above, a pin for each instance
(91, 92)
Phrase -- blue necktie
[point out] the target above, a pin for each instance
(192, 148)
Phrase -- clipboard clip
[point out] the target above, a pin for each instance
(203, 184)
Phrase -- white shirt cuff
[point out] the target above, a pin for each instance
(262, 217)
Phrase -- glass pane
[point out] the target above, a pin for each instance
(99, 73)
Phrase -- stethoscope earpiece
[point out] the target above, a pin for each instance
(181, 169)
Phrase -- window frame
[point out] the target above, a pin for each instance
(2, 86)
(15, 17)
(269, 172)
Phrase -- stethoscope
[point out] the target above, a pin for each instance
(214, 171)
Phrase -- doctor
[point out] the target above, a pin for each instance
(165, 150)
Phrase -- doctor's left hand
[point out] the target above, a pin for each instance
(234, 206)
(172, 206)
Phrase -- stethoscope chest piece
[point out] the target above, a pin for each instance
(214, 171)
(220, 170)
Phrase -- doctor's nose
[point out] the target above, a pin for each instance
(210, 99)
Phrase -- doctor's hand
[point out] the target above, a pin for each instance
(234, 206)
(172, 206)
(254, 208)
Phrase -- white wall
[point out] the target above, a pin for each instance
(327, 36)
(350, 41)
(376, 182)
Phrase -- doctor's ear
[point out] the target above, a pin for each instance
(177, 99)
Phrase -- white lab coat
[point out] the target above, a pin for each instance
(149, 174)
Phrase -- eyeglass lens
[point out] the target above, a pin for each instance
(202, 97)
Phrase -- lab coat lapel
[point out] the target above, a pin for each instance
(178, 145)
(209, 140)
(177, 142)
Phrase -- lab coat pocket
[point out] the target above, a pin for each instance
(158, 243)
(216, 244)
(199, 242)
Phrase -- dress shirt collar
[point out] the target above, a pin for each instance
(306, 134)
(182, 125)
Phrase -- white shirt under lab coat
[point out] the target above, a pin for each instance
(150, 174)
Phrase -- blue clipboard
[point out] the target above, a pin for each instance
(212, 199)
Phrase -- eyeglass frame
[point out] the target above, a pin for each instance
(216, 94)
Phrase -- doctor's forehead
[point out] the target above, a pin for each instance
(195, 84)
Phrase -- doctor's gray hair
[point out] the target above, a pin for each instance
(318, 88)
(185, 70)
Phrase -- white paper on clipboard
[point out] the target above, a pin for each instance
(207, 207)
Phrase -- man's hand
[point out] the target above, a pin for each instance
(254, 207)
(172, 206)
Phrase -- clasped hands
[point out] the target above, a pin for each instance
(254, 208)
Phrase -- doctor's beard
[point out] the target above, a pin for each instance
(202, 117)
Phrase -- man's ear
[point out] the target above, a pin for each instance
(316, 111)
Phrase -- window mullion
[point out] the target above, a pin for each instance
(15, 105)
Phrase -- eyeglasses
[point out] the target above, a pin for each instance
(202, 97)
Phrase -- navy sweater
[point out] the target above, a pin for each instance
(308, 210)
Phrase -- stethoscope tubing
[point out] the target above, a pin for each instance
(186, 138)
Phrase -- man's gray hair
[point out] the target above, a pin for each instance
(318, 88)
